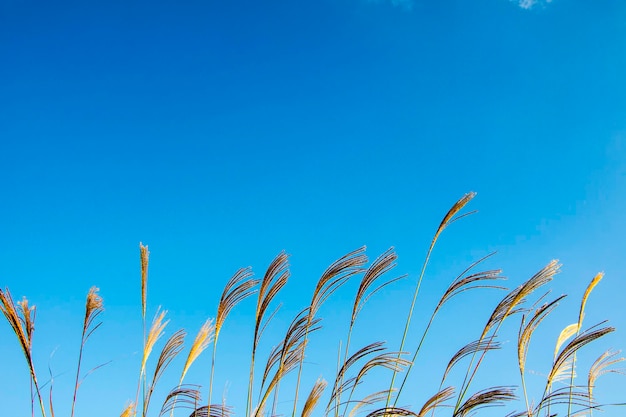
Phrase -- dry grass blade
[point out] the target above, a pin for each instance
(336, 275)
(272, 360)
(23, 326)
(569, 396)
(296, 335)
(215, 410)
(517, 414)
(341, 385)
(391, 412)
(288, 363)
(200, 343)
(564, 371)
(436, 400)
(590, 288)
(368, 400)
(602, 366)
(144, 254)
(288, 355)
(314, 397)
(387, 360)
(527, 330)
(383, 264)
(481, 345)
(129, 410)
(449, 218)
(465, 283)
(274, 280)
(572, 347)
(579, 326)
(564, 336)
(491, 397)
(155, 333)
(363, 352)
(509, 304)
(238, 288)
(370, 349)
(172, 348)
(523, 340)
(183, 396)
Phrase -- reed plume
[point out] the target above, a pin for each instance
(295, 339)
(22, 323)
(337, 274)
(129, 410)
(594, 282)
(171, 349)
(381, 266)
(155, 333)
(289, 356)
(370, 399)
(274, 280)
(377, 358)
(215, 410)
(314, 397)
(392, 412)
(182, 396)
(601, 366)
(490, 397)
(448, 219)
(239, 287)
(200, 343)
(563, 359)
(436, 401)
(523, 340)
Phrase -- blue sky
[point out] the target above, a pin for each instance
(220, 133)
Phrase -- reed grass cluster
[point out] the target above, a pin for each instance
(529, 304)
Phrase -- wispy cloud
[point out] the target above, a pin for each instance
(529, 4)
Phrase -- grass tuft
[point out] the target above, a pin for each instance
(359, 387)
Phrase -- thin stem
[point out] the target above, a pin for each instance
(80, 357)
(408, 320)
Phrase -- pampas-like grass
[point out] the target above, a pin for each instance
(22, 322)
(355, 368)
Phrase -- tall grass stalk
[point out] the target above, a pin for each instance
(22, 323)
(581, 315)
(448, 219)
(93, 308)
(274, 280)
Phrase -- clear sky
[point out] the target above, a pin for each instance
(220, 133)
